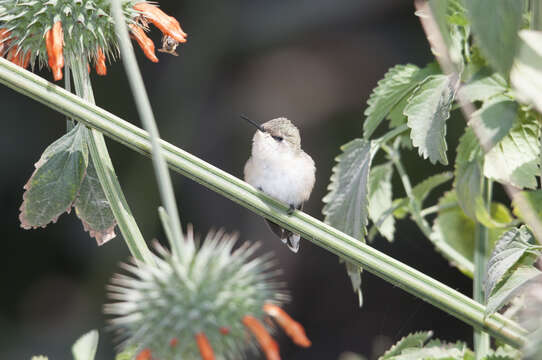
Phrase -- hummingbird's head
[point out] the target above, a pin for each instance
(282, 132)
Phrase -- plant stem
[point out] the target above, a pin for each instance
(481, 247)
(147, 118)
(325, 236)
(106, 172)
(436, 208)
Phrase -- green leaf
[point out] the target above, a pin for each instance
(513, 247)
(526, 75)
(127, 354)
(39, 357)
(468, 180)
(483, 86)
(522, 276)
(85, 347)
(443, 11)
(413, 340)
(495, 26)
(453, 232)
(534, 198)
(515, 159)
(390, 95)
(493, 121)
(92, 207)
(434, 351)
(423, 189)
(346, 204)
(380, 199)
(427, 111)
(54, 185)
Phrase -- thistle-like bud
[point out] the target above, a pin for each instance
(211, 301)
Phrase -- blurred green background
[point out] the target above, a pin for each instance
(312, 61)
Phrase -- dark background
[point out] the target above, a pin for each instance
(312, 61)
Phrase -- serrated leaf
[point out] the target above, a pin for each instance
(413, 340)
(390, 95)
(482, 86)
(427, 111)
(526, 74)
(53, 187)
(469, 181)
(493, 121)
(534, 198)
(495, 25)
(85, 347)
(431, 353)
(93, 208)
(515, 159)
(380, 199)
(521, 277)
(346, 204)
(453, 232)
(509, 250)
(424, 188)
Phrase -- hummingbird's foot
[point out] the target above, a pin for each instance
(291, 209)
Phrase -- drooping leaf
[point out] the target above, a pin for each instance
(469, 181)
(389, 96)
(380, 199)
(346, 204)
(483, 86)
(427, 111)
(515, 159)
(520, 278)
(493, 121)
(85, 347)
(534, 199)
(413, 340)
(92, 207)
(495, 25)
(424, 188)
(453, 232)
(54, 185)
(513, 247)
(526, 74)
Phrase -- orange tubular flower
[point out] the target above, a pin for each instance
(167, 24)
(145, 354)
(173, 342)
(18, 58)
(204, 347)
(269, 346)
(224, 330)
(101, 69)
(144, 42)
(4, 41)
(54, 42)
(292, 328)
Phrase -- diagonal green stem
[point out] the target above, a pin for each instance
(106, 173)
(325, 236)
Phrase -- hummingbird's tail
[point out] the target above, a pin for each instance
(286, 236)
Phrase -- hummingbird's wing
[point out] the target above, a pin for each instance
(286, 236)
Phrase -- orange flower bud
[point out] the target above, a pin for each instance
(167, 24)
(224, 330)
(292, 328)
(173, 342)
(54, 42)
(101, 69)
(144, 42)
(18, 58)
(269, 346)
(145, 354)
(205, 348)
(4, 41)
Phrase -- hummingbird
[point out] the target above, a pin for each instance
(280, 168)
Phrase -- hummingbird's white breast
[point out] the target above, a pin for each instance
(280, 170)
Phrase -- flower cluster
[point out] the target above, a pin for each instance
(45, 31)
(210, 302)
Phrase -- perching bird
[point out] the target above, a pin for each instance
(279, 168)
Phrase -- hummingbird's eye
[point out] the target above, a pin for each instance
(278, 138)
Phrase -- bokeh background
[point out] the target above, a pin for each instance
(312, 61)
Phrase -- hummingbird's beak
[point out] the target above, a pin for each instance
(258, 126)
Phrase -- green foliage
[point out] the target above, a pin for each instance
(424, 188)
(483, 86)
(413, 340)
(427, 111)
(534, 198)
(494, 120)
(346, 204)
(526, 75)
(85, 347)
(495, 25)
(380, 199)
(39, 357)
(510, 267)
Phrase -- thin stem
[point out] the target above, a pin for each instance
(147, 118)
(106, 172)
(436, 208)
(481, 255)
(323, 235)
(68, 86)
